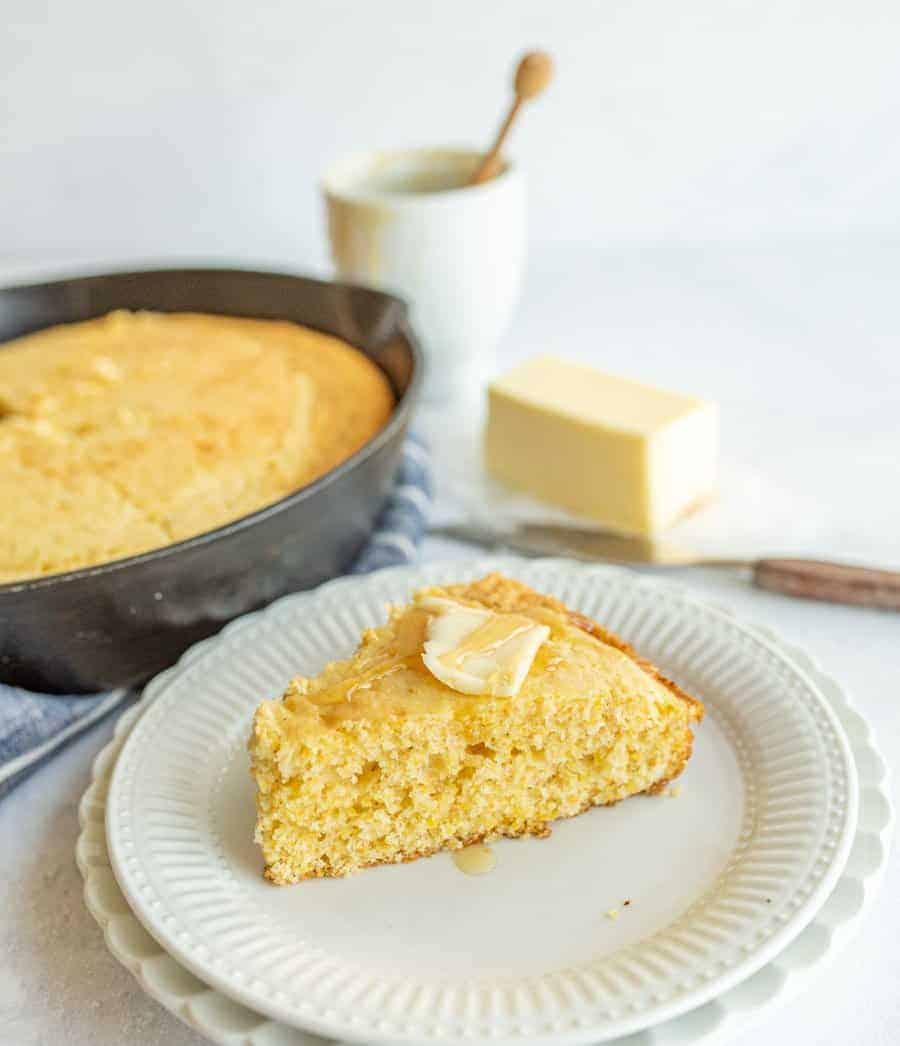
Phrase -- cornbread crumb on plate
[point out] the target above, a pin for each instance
(136, 430)
(378, 760)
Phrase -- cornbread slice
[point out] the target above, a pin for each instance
(135, 430)
(376, 761)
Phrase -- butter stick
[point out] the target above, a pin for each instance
(632, 457)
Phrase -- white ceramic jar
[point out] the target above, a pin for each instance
(406, 222)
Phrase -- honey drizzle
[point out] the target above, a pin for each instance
(475, 860)
(488, 637)
(346, 690)
(364, 684)
(492, 634)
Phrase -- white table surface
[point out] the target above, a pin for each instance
(800, 346)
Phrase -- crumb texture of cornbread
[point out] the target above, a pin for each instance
(375, 761)
(135, 430)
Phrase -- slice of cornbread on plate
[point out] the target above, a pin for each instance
(479, 710)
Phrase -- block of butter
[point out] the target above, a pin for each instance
(632, 457)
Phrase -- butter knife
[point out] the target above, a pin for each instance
(804, 578)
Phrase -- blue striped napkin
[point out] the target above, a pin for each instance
(35, 726)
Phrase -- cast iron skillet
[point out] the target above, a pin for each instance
(118, 623)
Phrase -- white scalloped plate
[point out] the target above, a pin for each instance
(720, 881)
(229, 1024)
(223, 1021)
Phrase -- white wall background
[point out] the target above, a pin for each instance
(167, 128)
(715, 185)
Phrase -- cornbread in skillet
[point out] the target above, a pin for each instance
(129, 432)
(377, 760)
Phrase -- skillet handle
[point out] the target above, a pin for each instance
(830, 582)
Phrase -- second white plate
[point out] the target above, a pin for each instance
(718, 879)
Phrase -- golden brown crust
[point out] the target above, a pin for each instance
(507, 595)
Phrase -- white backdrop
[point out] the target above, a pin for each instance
(715, 192)
(198, 128)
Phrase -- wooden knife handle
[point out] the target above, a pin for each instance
(831, 582)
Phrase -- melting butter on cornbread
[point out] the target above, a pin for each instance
(477, 651)
(378, 760)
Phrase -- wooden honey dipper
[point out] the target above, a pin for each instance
(533, 73)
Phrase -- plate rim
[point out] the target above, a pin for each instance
(216, 1016)
(626, 1025)
(219, 1018)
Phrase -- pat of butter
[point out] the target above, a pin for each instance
(630, 456)
(476, 651)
